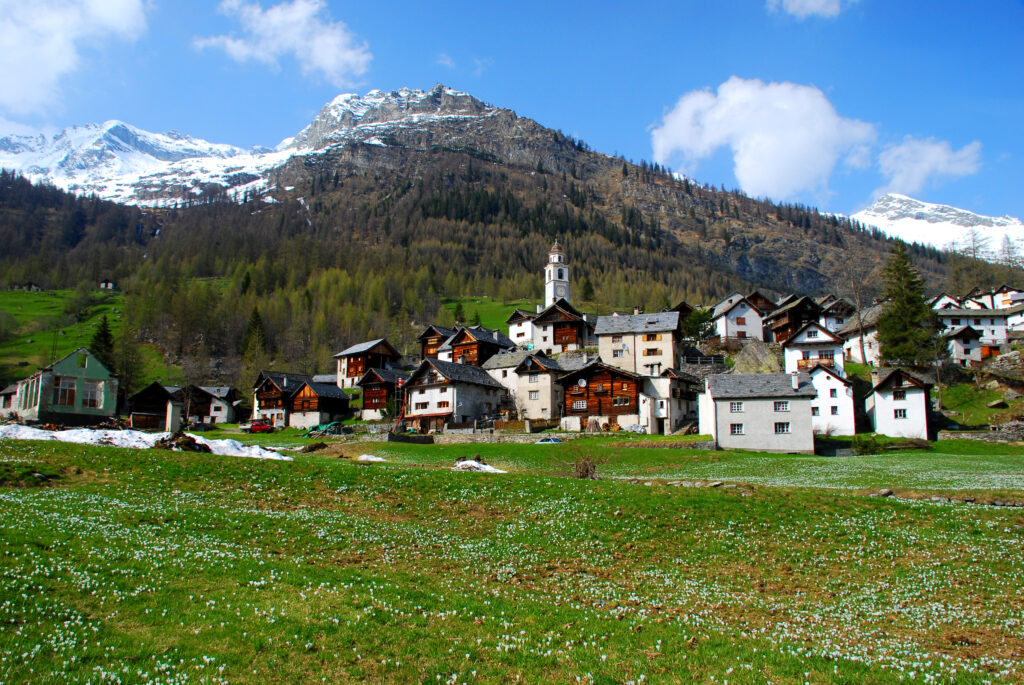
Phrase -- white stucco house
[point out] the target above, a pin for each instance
(832, 410)
(767, 412)
(964, 346)
(813, 345)
(898, 404)
(851, 336)
(439, 392)
(736, 317)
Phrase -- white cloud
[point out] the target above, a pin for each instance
(785, 138)
(910, 165)
(40, 44)
(801, 9)
(445, 61)
(300, 28)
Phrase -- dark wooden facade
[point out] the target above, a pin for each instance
(378, 356)
(468, 350)
(325, 399)
(381, 387)
(567, 325)
(432, 338)
(787, 320)
(601, 390)
(762, 302)
(148, 407)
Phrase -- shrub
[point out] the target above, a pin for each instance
(865, 444)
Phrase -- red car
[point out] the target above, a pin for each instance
(258, 426)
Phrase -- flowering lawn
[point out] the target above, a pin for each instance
(123, 565)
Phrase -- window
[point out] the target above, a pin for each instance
(899, 394)
(652, 337)
(443, 405)
(616, 353)
(954, 322)
(81, 361)
(833, 392)
(839, 320)
(782, 405)
(598, 387)
(624, 386)
(422, 405)
(652, 352)
(782, 428)
(977, 322)
(616, 338)
(64, 392)
(735, 407)
(735, 429)
(535, 394)
(826, 354)
(813, 333)
(520, 335)
(443, 390)
(620, 401)
(741, 334)
(579, 404)
(92, 395)
(835, 411)
(504, 373)
(899, 413)
(806, 354)
(741, 321)
(534, 377)
(814, 411)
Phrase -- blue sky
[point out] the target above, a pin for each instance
(824, 102)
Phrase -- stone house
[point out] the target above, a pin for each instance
(439, 393)
(964, 345)
(767, 412)
(644, 344)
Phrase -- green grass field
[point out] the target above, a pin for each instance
(145, 566)
(493, 313)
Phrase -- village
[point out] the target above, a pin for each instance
(562, 370)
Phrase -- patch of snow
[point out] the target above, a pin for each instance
(470, 465)
(369, 457)
(134, 439)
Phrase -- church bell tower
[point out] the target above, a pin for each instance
(556, 276)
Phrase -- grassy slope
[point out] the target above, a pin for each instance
(147, 564)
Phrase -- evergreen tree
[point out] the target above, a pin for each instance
(460, 313)
(102, 344)
(908, 329)
(475, 321)
(255, 339)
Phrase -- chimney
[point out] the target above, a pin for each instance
(796, 380)
(636, 311)
(285, 384)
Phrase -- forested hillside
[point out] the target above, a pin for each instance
(352, 246)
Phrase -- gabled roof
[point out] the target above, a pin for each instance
(789, 306)
(870, 319)
(565, 363)
(887, 376)
(80, 350)
(637, 323)
(723, 308)
(561, 304)
(384, 376)
(518, 315)
(942, 295)
(367, 346)
(684, 308)
(963, 332)
(825, 299)
(327, 390)
(681, 375)
(433, 329)
(219, 391)
(285, 381)
(10, 389)
(480, 334)
(783, 301)
(507, 359)
(459, 373)
(791, 340)
(968, 313)
(597, 365)
(726, 303)
(976, 291)
(759, 385)
(818, 368)
(1006, 289)
(168, 391)
(839, 305)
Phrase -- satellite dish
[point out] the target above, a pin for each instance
(625, 346)
(582, 382)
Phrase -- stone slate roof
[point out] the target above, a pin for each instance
(963, 331)
(362, 347)
(10, 389)
(637, 323)
(883, 375)
(969, 313)
(294, 380)
(723, 306)
(388, 375)
(329, 390)
(506, 359)
(485, 335)
(681, 375)
(800, 301)
(870, 316)
(759, 385)
(462, 373)
(219, 391)
(441, 330)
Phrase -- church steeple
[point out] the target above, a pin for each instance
(556, 276)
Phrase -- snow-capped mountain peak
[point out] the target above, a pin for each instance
(914, 221)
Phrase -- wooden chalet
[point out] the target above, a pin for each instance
(432, 338)
(789, 318)
(382, 392)
(764, 304)
(211, 404)
(317, 403)
(147, 409)
(273, 393)
(356, 360)
(602, 392)
(684, 308)
(563, 324)
(474, 345)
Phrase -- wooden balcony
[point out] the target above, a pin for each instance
(804, 364)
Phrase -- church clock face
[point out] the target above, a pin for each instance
(560, 290)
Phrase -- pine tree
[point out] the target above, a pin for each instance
(908, 329)
(255, 338)
(102, 344)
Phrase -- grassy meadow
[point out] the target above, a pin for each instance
(151, 566)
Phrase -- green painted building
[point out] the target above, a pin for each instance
(76, 390)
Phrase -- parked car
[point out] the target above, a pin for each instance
(549, 440)
(257, 426)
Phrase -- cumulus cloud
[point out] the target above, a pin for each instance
(910, 165)
(801, 9)
(301, 29)
(785, 138)
(40, 43)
